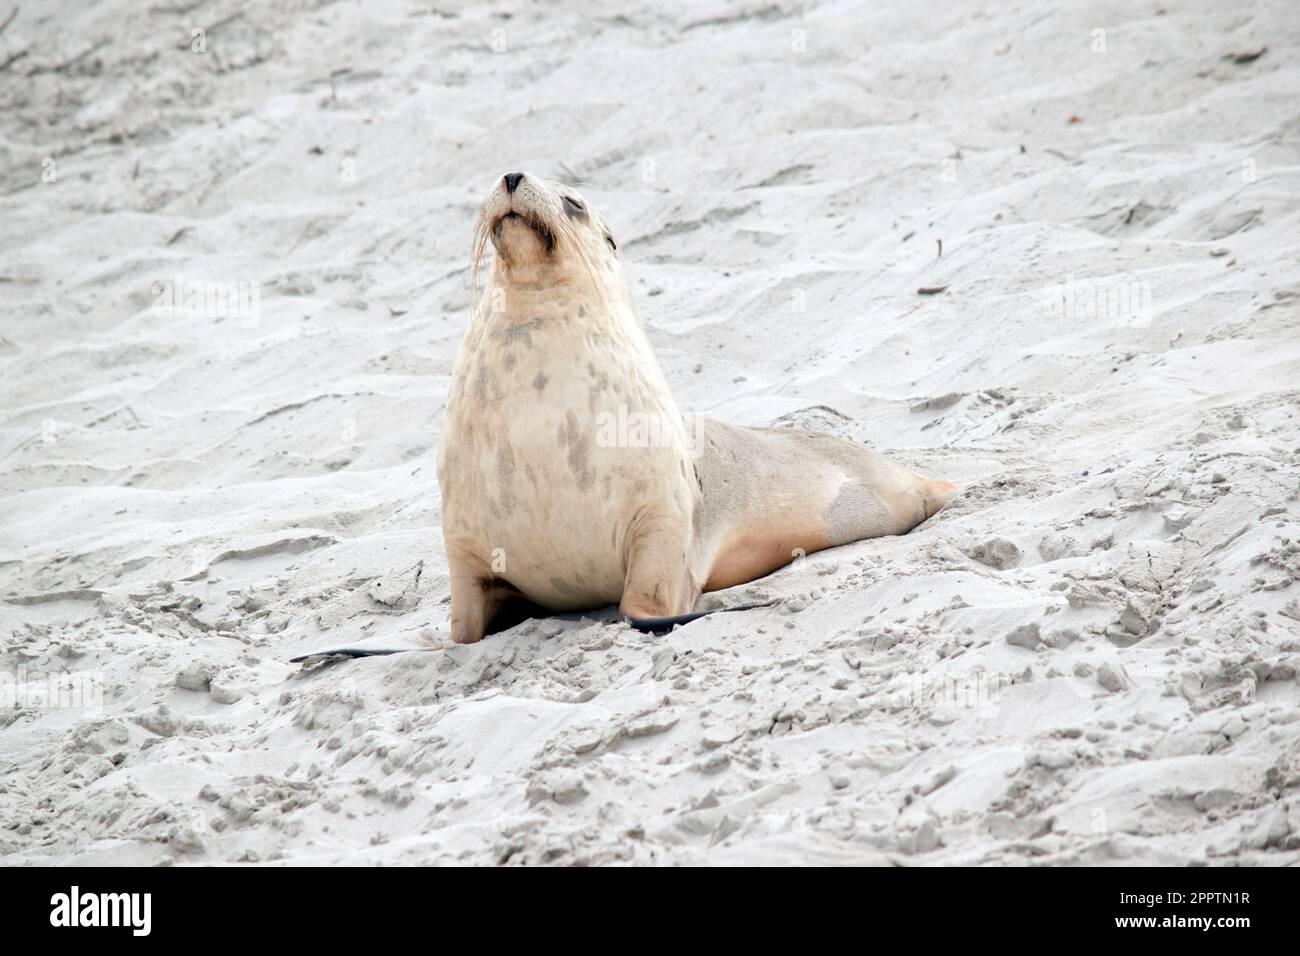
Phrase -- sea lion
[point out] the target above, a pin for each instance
(569, 476)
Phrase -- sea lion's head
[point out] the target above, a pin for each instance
(544, 231)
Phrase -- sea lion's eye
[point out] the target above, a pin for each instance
(573, 207)
(612, 244)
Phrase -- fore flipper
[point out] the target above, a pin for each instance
(350, 653)
(661, 625)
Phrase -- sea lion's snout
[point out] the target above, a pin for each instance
(540, 224)
(519, 213)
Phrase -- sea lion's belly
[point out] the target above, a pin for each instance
(554, 446)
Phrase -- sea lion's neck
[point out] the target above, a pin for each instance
(532, 273)
(556, 294)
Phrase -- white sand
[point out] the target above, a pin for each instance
(197, 498)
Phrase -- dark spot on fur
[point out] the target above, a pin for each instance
(540, 381)
(483, 381)
(506, 477)
(578, 444)
(518, 333)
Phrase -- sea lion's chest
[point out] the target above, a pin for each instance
(558, 433)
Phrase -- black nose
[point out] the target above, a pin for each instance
(512, 181)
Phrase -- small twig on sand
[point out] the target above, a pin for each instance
(180, 8)
(9, 19)
(222, 22)
(81, 56)
(14, 58)
(1247, 56)
(344, 71)
(208, 31)
(59, 68)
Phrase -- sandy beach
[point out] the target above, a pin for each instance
(1049, 251)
